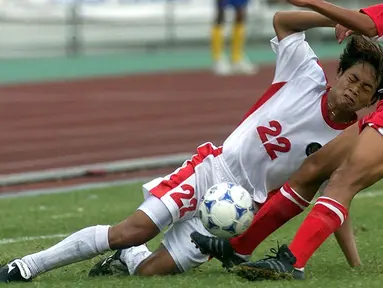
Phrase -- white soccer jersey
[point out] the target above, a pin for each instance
(289, 121)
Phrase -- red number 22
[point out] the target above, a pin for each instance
(188, 194)
(275, 129)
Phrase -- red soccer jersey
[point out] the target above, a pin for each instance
(376, 14)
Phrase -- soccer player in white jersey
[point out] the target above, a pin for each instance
(296, 116)
(314, 170)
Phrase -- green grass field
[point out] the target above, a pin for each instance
(66, 213)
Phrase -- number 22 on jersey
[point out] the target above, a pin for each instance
(274, 130)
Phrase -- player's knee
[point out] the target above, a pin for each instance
(310, 174)
(240, 16)
(348, 177)
(340, 189)
(145, 269)
(137, 229)
(151, 267)
(220, 18)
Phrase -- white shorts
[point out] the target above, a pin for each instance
(178, 243)
(181, 192)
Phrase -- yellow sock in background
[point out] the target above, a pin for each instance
(217, 42)
(238, 40)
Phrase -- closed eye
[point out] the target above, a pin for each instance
(367, 88)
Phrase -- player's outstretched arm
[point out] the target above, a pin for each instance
(374, 12)
(346, 240)
(352, 19)
(290, 22)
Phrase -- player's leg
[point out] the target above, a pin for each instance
(240, 64)
(126, 260)
(140, 261)
(288, 202)
(182, 194)
(362, 168)
(90, 242)
(221, 65)
(238, 33)
(175, 255)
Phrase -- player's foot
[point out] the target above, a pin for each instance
(273, 267)
(219, 248)
(222, 67)
(244, 66)
(111, 265)
(15, 270)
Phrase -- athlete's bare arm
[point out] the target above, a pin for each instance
(352, 19)
(289, 22)
(346, 240)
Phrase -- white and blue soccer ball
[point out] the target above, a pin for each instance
(227, 210)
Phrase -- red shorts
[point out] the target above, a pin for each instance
(374, 119)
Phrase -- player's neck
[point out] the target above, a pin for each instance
(339, 116)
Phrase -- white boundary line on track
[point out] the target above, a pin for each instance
(73, 188)
(94, 169)
(31, 238)
(370, 194)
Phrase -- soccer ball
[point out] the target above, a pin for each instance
(227, 210)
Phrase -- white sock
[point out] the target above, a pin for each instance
(133, 256)
(82, 245)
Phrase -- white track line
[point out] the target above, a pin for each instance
(105, 168)
(31, 238)
(370, 194)
(74, 188)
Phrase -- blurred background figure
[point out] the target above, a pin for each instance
(239, 62)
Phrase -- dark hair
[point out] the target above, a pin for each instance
(360, 49)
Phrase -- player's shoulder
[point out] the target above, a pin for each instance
(313, 79)
(297, 37)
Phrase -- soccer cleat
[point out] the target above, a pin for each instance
(273, 267)
(222, 67)
(244, 66)
(111, 265)
(219, 248)
(16, 270)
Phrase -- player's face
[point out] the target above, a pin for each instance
(356, 87)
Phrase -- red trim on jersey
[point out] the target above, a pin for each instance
(274, 88)
(187, 170)
(375, 119)
(332, 124)
(376, 14)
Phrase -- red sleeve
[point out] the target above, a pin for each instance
(376, 14)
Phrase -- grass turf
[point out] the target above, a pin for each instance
(66, 213)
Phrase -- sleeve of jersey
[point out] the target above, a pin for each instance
(295, 58)
(376, 14)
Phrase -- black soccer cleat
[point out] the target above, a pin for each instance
(15, 271)
(219, 248)
(274, 267)
(111, 265)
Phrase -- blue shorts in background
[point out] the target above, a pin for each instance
(233, 3)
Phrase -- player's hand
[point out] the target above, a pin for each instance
(342, 33)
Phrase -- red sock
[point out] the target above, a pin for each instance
(283, 206)
(324, 219)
